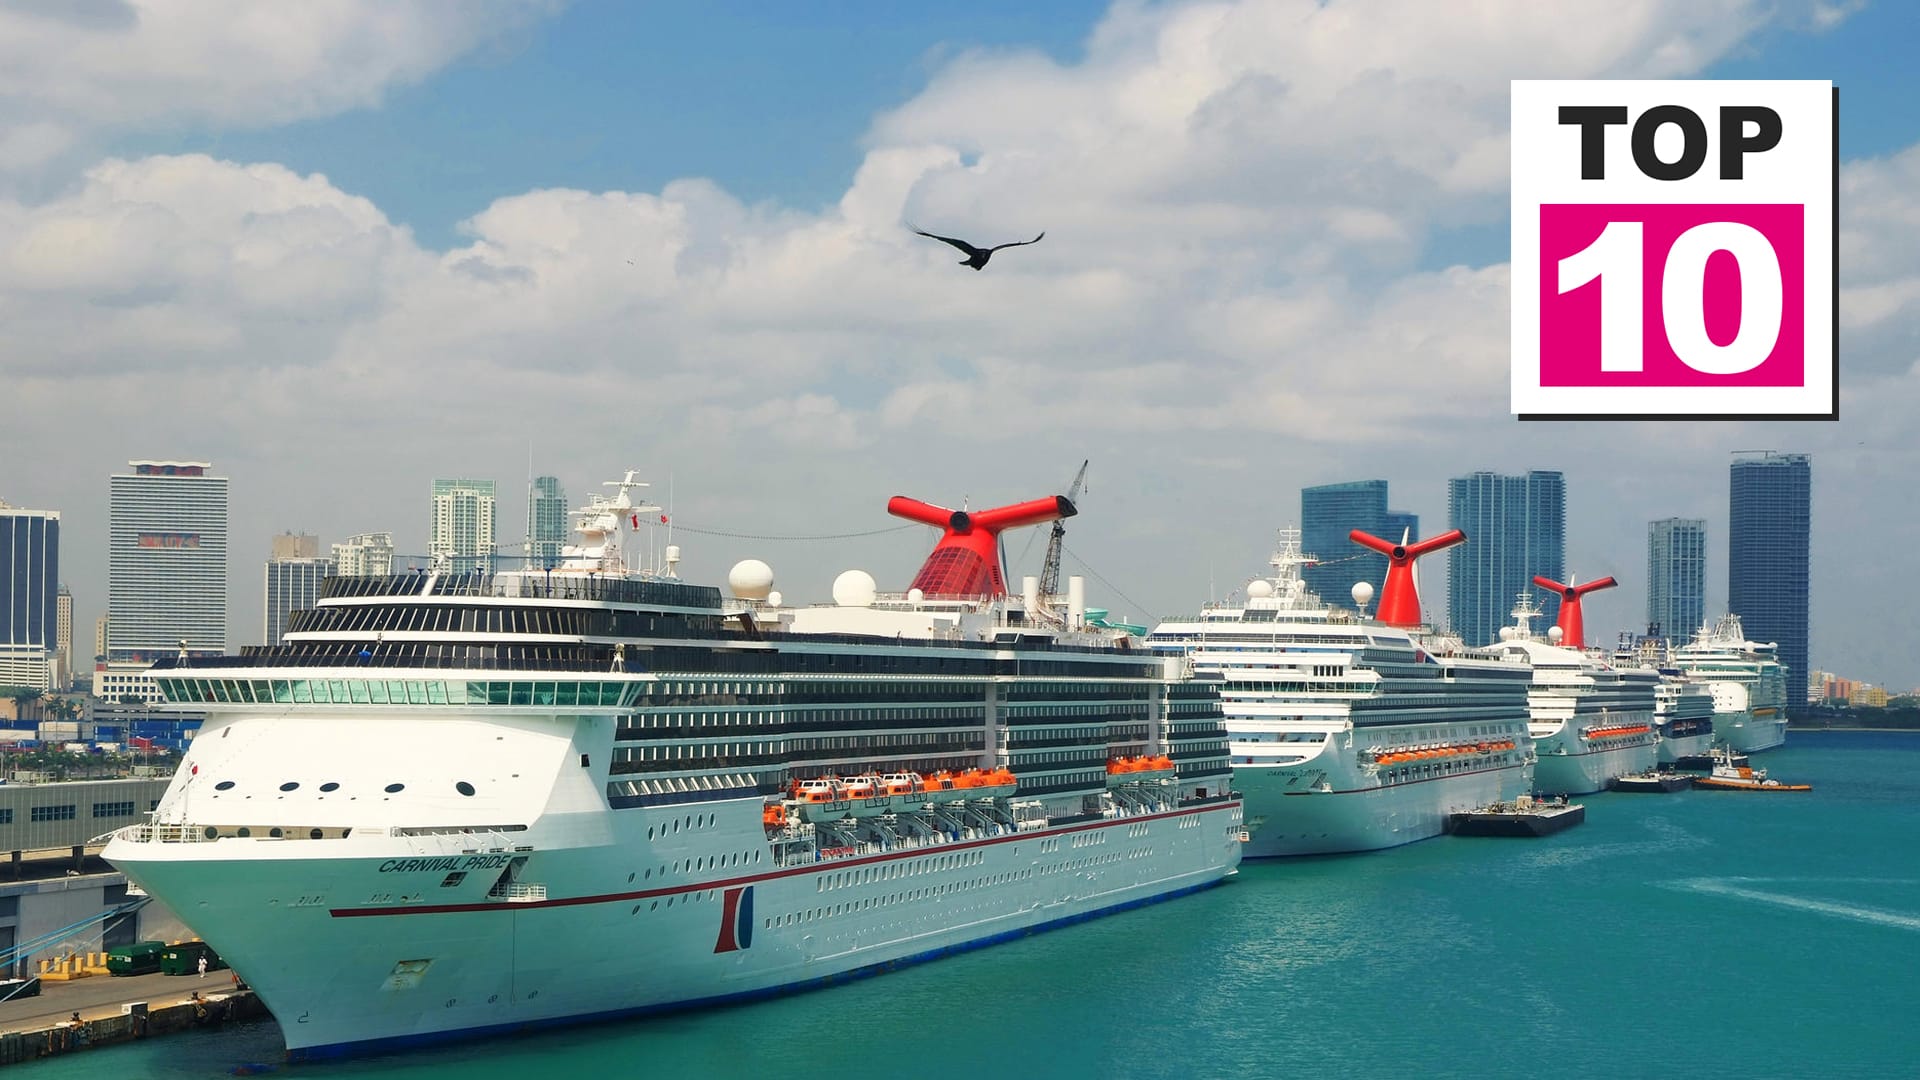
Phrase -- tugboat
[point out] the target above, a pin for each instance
(1727, 776)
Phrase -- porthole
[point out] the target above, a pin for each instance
(224, 785)
(210, 832)
(395, 788)
(275, 833)
(290, 785)
(314, 834)
(330, 786)
(244, 831)
(463, 788)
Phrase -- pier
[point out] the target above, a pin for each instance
(117, 1009)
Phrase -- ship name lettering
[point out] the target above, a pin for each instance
(444, 863)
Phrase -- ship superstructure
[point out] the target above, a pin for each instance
(1351, 734)
(462, 803)
(1591, 720)
(1682, 709)
(1747, 680)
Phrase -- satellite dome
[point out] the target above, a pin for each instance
(1362, 593)
(1554, 633)
(1507, 633)
(1259, 589)
(750, 579)
(774, 598)
(855, 588)
(914, 596)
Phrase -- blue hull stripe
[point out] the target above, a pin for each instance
(336, 1051)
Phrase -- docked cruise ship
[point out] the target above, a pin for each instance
(1354, 734)
(1682, 709)
(1592, 720)
(1747, 680)
(460, 803)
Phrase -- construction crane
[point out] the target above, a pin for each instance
(1056, 544)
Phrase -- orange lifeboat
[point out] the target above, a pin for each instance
(773, 816)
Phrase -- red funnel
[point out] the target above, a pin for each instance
(1571, 628)
(966, 561)
(1400, 597)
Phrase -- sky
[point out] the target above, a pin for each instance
(341, 248)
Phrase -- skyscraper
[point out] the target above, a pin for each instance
(1769, 522)
(462, 535)
(63, 636)
(293, 580)
(364, 555)
(29, 587)
(166, 561)
(1327, 514)
(1677, 576)
(546, 522)
(1516, 527)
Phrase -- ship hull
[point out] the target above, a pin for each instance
(1564, 770)
(1673, 750)
(1337, 807)
(360, 952)
(1747, 732)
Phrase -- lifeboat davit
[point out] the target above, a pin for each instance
(821, 799)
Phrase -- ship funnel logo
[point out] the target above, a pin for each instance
(736, 920)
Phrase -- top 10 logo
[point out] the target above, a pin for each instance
(1674, 249)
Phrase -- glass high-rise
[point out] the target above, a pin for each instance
(166, 561)
(1769, 523)
(546, 522)
(364, 555)
(462, 536)
(293, 578)
(1516, 527)
(1328, 513)
(29, 596)
(1676, 577)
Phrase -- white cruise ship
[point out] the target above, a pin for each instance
(1350, 734)
(1592, 721)
(1682, 709)
(454, 804)
(1747, 680)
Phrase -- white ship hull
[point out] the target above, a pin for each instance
(1566, 769)
(1748, 733)
(356, 945)
(1332, 803)
(1672, 750)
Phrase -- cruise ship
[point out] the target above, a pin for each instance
(1682, 709)
(1348, 733)
(1592, 720)
(453, 804)
(1747, 680)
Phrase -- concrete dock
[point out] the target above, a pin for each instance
(41, 1026)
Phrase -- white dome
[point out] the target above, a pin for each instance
(1554, 633)
(1362, 593)
(855, 588)
(1507, 633)
(750, 579)
(774, 598)
(1259, 589)
(914, 596)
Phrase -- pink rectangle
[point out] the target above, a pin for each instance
(1570, 322)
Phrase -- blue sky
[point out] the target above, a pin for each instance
(1275, 257)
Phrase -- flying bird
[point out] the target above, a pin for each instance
(976, 257)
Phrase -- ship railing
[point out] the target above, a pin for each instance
(157, 832)
(517, 892)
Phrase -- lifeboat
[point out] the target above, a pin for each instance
(821, 799)
(902, 790)
(868, 797)
(943, 786)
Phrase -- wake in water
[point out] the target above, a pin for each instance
(1854, 912)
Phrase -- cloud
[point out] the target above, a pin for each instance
(1235, 298)
(71, 71)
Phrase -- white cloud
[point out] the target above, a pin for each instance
(1229, 304)
(71, 70)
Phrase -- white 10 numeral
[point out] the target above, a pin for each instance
(1616, 257)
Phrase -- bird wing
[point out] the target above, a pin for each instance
(1020, 243)
(961, 244)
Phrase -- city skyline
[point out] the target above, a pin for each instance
(1676, 577)
(1769, 524)
(1288, 257)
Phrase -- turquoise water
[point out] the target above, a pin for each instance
(1696, 932)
